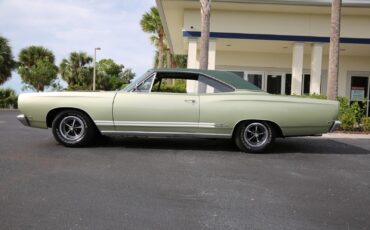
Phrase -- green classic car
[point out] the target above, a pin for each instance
(186, 103)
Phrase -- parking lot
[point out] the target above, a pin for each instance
(129, 183)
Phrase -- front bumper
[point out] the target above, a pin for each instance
(23, 119)
(334, 126)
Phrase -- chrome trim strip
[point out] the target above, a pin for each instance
(23, 119)
(165, 124)
(169, 134)
(104, 123)
(335, 126)
(157, 124)
(151, 86)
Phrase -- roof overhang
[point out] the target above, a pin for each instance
(349, 3)
(174, 30)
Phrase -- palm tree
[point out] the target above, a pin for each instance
(205, 11)
(151, 23)
(29, 56)
(36, 67)
(155, 41)
(77, 70)
(332, 89)
(7, 62)
(170, 60)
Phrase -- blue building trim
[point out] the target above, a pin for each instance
(275, 37)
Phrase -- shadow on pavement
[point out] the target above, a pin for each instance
(288, 145)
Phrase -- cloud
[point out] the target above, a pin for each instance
(79, 25)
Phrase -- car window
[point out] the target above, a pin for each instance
(210, 85)
(170, 85)
(145, 86)
(167, 82)
(187, 83)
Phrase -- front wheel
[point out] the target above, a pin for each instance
(73, 128)
(254, 137)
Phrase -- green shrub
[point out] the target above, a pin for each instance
(8, 98)
(350, 115)
(343, 104)
(365, 121)
(348, 121)
(358, 111)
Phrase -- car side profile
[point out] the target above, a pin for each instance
(180, 103)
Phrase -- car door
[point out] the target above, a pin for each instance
(144, 111)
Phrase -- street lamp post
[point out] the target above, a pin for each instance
(94, 74)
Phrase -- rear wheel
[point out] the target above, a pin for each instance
(73, 128)
(254, 137)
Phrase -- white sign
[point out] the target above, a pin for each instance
(357, 94)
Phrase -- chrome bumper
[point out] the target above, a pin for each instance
(23, 119)
(334, 126)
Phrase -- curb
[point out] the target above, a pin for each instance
(346, 135)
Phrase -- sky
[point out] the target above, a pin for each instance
(79, 25)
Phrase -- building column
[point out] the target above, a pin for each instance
(191, 86)
(297, 68)
(316, 63)
(212, 54)
(192, 53)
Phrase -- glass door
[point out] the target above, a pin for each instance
(360, 91)
(256, 78)
(274, 83)
(306, 84)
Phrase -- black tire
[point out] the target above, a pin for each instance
(72, 128)
(253, 142)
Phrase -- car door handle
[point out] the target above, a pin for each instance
(190, 100)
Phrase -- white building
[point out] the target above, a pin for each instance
(279, 45)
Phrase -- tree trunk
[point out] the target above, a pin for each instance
(332, 88)
(168, 59)
(205, 11)
(173, 62)
(39, 88)
(160, 50)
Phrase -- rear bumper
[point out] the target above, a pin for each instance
(23, 119)
(334, 126)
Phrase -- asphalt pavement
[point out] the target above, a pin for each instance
(131, 183)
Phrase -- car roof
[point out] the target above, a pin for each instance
(224, 76)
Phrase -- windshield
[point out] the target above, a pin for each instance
(132, 85)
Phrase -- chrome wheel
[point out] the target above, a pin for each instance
(256, 134)
(72, 128)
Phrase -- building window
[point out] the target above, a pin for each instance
(288, 83)
(359, 92)
(306, 84)
(274, 83)
(255, 79)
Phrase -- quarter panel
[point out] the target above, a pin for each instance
(295, 116)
